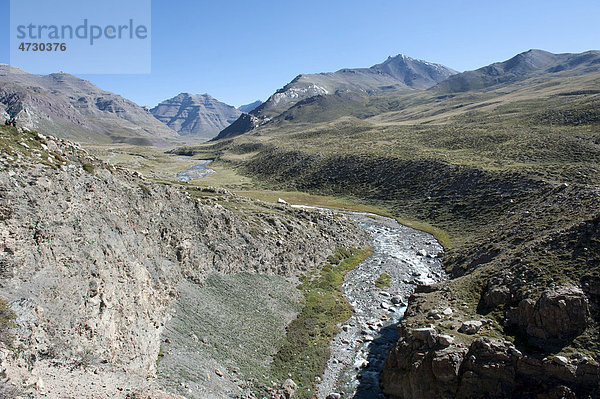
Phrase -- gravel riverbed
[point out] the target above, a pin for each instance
(409, 257)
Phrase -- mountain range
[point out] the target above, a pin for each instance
(327, 96)
(525, 65)
(396, 74)
(70, 107)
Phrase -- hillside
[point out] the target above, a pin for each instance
(195, 116)
(508, 178)
(95, 261)
(66, 106)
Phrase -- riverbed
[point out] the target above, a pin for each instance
(197, 171)
(409, 257)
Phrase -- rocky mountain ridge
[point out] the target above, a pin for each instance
(195, 116)
(522, 66)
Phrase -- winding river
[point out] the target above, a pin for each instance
(409, 257)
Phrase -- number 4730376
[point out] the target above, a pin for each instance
(43, 47)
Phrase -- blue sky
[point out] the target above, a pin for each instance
(239, 51)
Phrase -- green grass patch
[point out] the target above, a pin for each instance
(7, 323)
(440, 234)
(384, 281)
(88, 167)
(305, 351)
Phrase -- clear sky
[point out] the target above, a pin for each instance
(240, 51)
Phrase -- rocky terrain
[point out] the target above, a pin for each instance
(66, 106)
(195, 116)
(94, 260)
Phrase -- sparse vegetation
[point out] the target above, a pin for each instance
(146, 190)
(383, 282)
(305, 351)
(88, 167)
(7, 324)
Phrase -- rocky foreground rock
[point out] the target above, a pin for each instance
(91, 258)
(427, 363)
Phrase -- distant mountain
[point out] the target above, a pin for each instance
(197, 116)
(250, 107)
(522, 66)
(399, 73)
(394, 74)
(417, 74)
(67, 106)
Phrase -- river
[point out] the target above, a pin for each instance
(197, 171)
(409, 257)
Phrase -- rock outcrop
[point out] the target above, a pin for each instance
(422, 366)
(425, 363)
(559, 314)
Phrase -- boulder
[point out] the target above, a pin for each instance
(288, 389)
(397, 300)
(559, 314)
(497, 295)
(427, 335)
(445, 340)
(470, 327)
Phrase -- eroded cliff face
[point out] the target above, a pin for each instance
(91, 258)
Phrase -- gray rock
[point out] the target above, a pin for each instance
(560, 313)
(427, 335)
(288, 388)
(470, 327)
(445, 340)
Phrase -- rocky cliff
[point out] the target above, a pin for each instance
(92, 257)
(468, 363)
